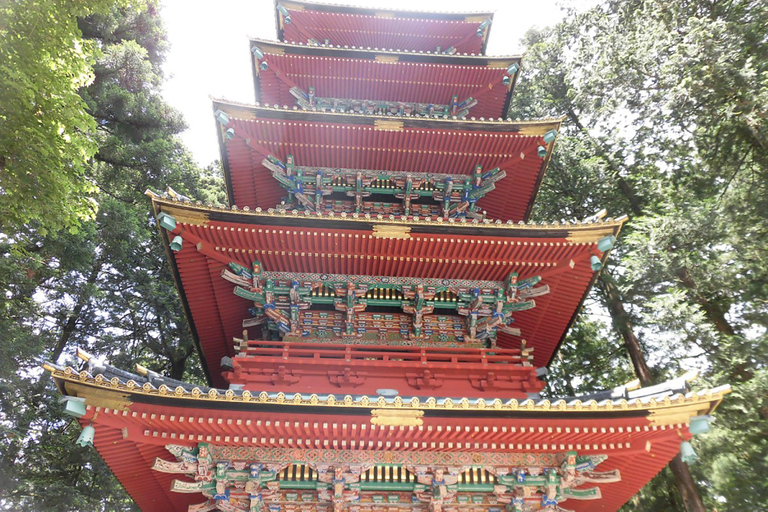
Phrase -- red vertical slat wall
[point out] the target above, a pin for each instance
(418, 34)
(131, 464)
(356, 146)
(363, 79)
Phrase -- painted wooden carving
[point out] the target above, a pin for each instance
(310, 101)
(445, 195)
(283, 301)
(232, 484)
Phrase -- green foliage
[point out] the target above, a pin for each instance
(666, 107)
(40, 468)
(591, 359)
(47, 136)
(736, 475)
(105, 287)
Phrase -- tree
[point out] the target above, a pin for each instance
(106, 287)
(46, 133)
(666, 108)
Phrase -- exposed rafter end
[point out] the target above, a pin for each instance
(83, 355)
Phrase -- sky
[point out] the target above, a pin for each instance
(209, 54)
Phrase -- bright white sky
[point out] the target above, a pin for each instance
(209, 53)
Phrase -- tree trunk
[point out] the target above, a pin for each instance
(626, 189)
(178, 366)
(714, 313)
(622, 323)
(686, 485)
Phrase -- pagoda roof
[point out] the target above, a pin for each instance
(382, 27)
(382, 143)
(371, 246)
(137, 416)
(383, 75)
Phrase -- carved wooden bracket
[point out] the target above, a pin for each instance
(347, 378)
(283, 377)
(490, 381)
(425, 380)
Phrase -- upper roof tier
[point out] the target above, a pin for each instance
(300, 21)
(361, 80)
(377, 145)
(216, 250)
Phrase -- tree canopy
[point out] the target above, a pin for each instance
(666, 108)
(47, 135)
(106, 285)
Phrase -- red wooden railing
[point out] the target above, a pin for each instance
(328, 353)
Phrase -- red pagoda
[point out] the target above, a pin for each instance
(374, 311)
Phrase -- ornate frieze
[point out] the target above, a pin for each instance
(282, 301)
(448, 195)
(247, 479)
(310, 101)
